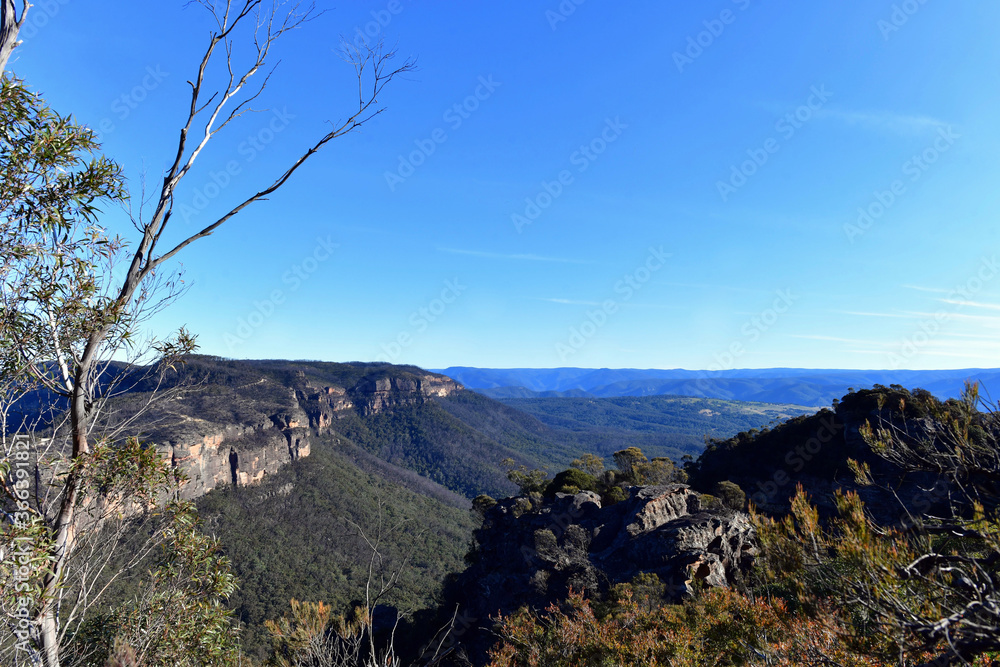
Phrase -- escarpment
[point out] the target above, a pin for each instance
(373, 395)
(219, 434)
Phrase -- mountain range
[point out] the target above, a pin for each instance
(799, 386)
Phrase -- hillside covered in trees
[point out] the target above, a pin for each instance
(404, 481)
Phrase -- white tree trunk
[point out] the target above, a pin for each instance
(49, 634)
(10, 25)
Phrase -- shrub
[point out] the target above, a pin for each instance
(613, 495)
(720, 627)
(731, 495)
(570, 479)
(483, 504)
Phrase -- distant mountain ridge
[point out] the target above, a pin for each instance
(799, 386)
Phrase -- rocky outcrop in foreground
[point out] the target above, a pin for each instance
(532, 555)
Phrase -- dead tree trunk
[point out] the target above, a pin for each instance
(10, 26)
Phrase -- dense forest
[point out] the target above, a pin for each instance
(301, 535)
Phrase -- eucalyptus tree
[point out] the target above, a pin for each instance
(75, 297)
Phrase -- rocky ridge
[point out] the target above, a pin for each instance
(814, 451)
(241, 434)
(532, 552)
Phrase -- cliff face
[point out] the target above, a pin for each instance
(374, 395)
(235, 454)
(219, 436)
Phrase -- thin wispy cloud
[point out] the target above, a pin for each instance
(578, 302)
(979, 319)
(942, 347)
(569, 302)
(965, 341)
(655, 306)
(858, 313)
(985, 339)
(835, 339)
(884, 121)
(932, 290)
(514, 257)
(721, 288)
(971, 304)
(963, 355)
(951, 312)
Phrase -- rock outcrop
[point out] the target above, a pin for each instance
(373, 395)
(237, 454)
(532, 555)
(323, 405)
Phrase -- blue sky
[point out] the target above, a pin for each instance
(731, 184)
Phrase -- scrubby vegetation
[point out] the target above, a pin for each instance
(588, 473)
(719, 627)
(841, 578)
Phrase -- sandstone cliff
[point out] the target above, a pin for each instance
(219, 435)
(377, 394)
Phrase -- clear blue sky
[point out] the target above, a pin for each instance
(655, 243)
